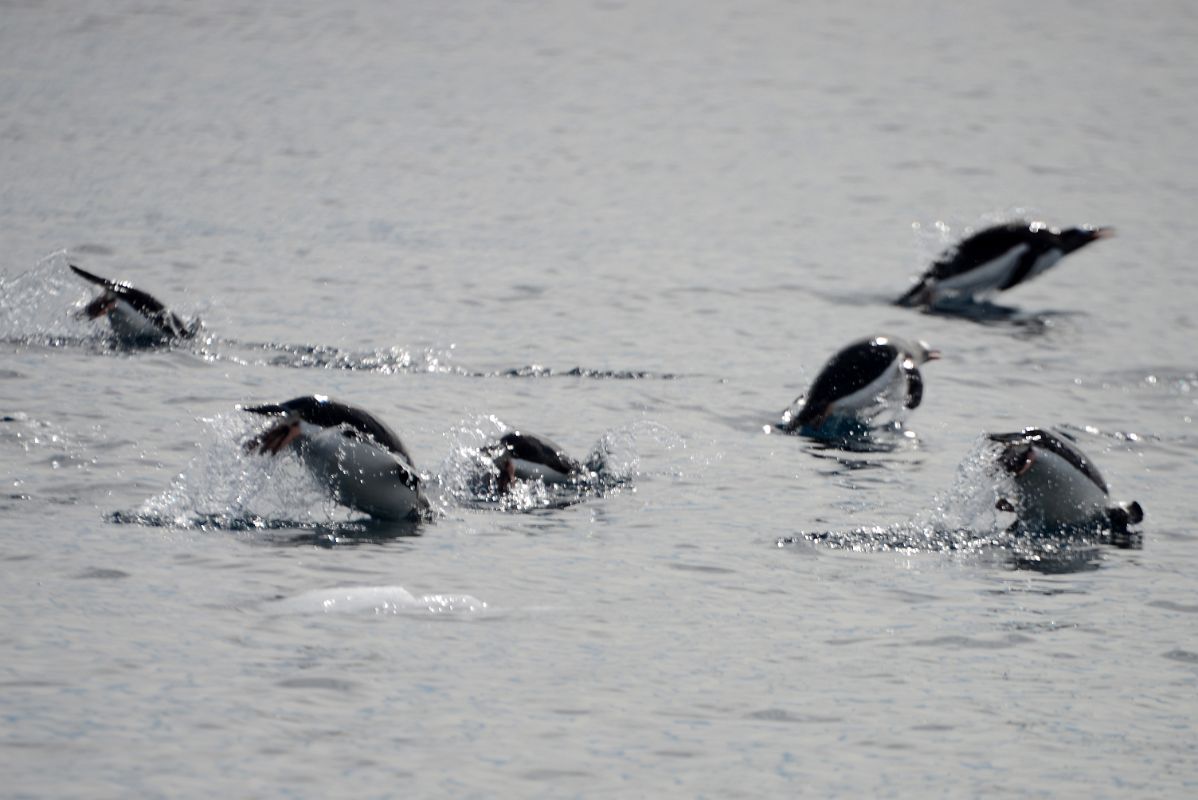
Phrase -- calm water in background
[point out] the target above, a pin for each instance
(438, 211)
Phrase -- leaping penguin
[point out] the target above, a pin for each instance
(363, 462)
(529, 457)
(859, 385)
(1058, 488)
(996, 259)
(135, 316)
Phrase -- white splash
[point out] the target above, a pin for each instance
(224, 486)
(468, 477)
(378, 600)
(39, 305)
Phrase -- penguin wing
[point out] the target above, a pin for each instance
(325, 413)
(143, 302)
(539, 450)
(111, 286)
(849, 371)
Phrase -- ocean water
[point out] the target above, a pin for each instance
(638, 228)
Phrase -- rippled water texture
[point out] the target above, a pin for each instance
(639, 230)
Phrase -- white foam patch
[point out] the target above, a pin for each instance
(378, 600)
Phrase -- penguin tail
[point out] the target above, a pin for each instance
(1120, 517)
(918, 295)
(802, 414)
(1125, 514)
(789, 421)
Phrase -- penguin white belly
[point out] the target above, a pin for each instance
(1054, 493)
(531, 471)
(984, 277)
(129, 323)
(361, 475)
(884, 392)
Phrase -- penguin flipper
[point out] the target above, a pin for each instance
(269, 409)
(92, 278)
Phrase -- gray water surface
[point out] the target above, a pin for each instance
(640, 228)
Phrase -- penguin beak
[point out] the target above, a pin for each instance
(1104, 233)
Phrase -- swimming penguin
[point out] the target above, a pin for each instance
(363, 461)
(1058, 489)
(996, 259)
(528, 457)
(135, 317)
(859, 386)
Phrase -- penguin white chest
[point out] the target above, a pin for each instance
(129, 323)
(1054, 493)
(360, 474)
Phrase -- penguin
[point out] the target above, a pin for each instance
(135, 316)
(996, 259)
(1057, 487)
(529, 457)
(859, 385)
(363, 462)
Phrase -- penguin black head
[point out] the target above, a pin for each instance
(1076, 238)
